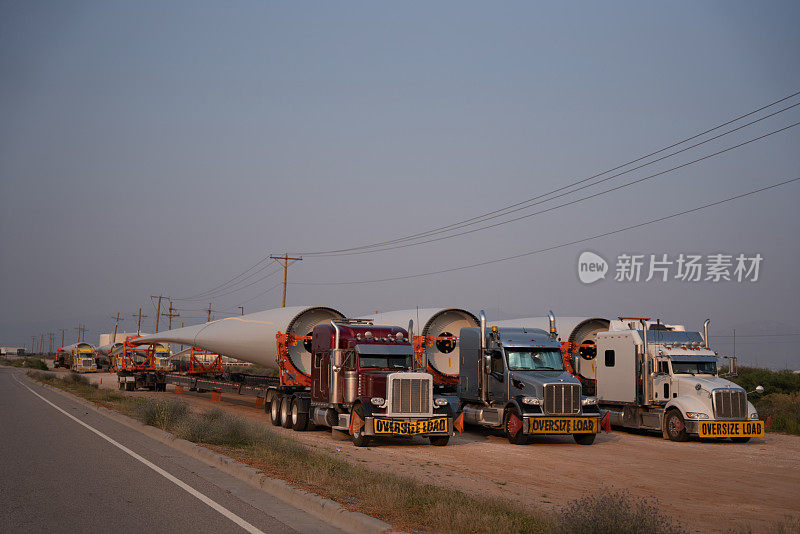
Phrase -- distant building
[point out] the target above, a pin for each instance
(12, 351)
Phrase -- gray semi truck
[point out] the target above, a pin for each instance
(514, 379)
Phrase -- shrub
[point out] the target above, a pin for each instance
(610, 511)
(164, 414)
(773, 381)
(784, 410)
(217, 427)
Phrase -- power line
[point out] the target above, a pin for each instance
(758, 335)
(226, 282)
(224, 293)
(554, 247)
(575, 201)
(500, 211)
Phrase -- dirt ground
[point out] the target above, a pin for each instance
(710, 486)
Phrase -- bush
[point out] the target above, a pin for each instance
(164, 414)
(217, 427)
(610, 511)
(28, 363)
(784, 410)
(773, 381)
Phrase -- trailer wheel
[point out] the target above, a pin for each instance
(130, 386)
(275, 410)
(286, 411)
(740, 439)
(359, 438)
(439, 441)
(515, 439)
(676, 428)
(584, 439)
(299, 418)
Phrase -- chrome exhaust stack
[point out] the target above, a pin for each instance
(646, 378)
(705, 333)
(336, 362)
(551, 316)
(484, 360)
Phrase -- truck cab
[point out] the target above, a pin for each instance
(656, 376)
(514, 379)
(364, 382)
(162, 358)
(83, 359)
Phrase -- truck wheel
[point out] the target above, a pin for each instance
(299, 418)
(130, 386)
(286, 411)
(275, 410)
(584, 439)
(740, 440)
(676, 428)
(359, 438)
(121, 386)
(515, 439)
(439, 441)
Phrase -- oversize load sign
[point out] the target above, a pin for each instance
(409, 428)
(562, 425)
(737, 429)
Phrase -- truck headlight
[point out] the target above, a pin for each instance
(696, 415)
(440, 401)
(754, 415)
(589, 401)
(377, 401)
(534, 401)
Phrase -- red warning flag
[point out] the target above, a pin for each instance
(356, 423)
(514, 425)
(458, 424)
(605, 423)
(768, 422)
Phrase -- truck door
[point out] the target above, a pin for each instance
(662, 382)
(324, 376)
(498, 386)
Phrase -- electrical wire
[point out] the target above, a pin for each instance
(575, 201)
(554, 247)
(224, 293)
(480, 218)
(192, 297)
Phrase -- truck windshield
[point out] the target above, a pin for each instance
(694, 368)
(381, 361)
(534, 359)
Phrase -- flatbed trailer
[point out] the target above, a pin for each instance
(238, 384)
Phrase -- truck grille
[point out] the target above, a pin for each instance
(411, 395)
(730, 404)
(562, 399)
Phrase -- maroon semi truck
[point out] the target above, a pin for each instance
(364, 382)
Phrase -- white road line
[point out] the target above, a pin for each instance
(213, 504)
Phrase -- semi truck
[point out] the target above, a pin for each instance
(661, 377)
(354, 376)
(513, 378)
(82, 357)
(137, 364)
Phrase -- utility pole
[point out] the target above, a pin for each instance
(158, 310)
(41, 344)
(139, 322)
(209, 313)
(170, 314)
(241, 308)
(33, 344)
(62, 335)
(117, 319)
(50, 346)
(284, 260)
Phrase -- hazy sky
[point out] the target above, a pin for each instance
(164, 147)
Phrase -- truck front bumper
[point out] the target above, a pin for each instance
(545, 424)
(408, 426)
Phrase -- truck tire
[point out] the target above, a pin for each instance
(584, 439)
(515, 439)
(740, 440)
(439, 441)
(130, 386)
(298, 417)
(275, 410)
(673, 422)
(286, 411)
(359, 438)
(121, 385)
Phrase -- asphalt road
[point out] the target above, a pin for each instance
(58, 475)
